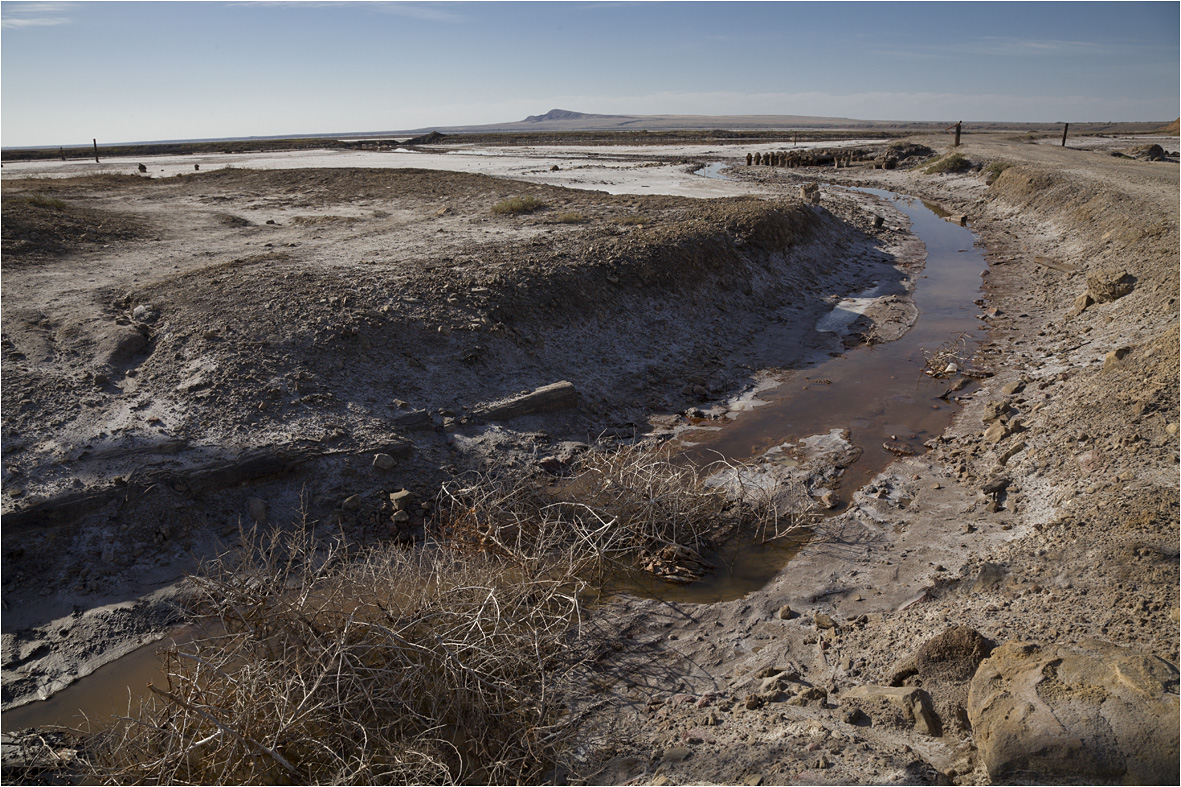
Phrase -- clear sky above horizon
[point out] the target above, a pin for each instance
(136, 71)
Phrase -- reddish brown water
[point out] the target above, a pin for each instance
(877, 392)
(91, 702)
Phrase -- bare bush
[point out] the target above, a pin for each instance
(392, 666)
(630, 507)
(443, 663)
(951, 358)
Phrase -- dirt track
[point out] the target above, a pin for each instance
(222, 349)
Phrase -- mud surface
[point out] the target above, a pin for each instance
(242, 345)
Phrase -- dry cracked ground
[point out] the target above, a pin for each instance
(182, 355)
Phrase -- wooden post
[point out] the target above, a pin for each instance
(957, 133)
(1065, 128)
(95, 141)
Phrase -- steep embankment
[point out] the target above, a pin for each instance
(1047, 516)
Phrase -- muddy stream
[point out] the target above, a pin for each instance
(877, 392)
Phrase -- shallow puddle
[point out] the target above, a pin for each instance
(89, 703)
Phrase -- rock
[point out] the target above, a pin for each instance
(785, 612)
(1094, 711)
(413, 420)
(351, 503)
(1081, 303)
(546, 399)
(824, 621)
(989, 576)
(995, 410)
(1112, 359)
(384, 462)
(900, 707)
(753, 702)
(1015, 387)
(119, 345)
(144, 313)
(401, 500)
(995, 433)
(256, 507)
(944, 667)
(1106, 286)
(854, 716)
(1010, 452)
(808, 695)
(676, 754)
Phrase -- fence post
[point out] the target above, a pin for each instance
(95, 141)
(1065, 128)
(957, 133)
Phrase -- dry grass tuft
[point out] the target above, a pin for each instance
(515, 206)
(393, 666)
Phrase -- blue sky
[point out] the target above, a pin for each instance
(130, 71)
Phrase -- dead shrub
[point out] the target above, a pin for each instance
(623, 508)
(392, 666)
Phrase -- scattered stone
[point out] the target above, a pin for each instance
(384, 462)
(785, 612)
(944, 667)
(1094, 711)
(753, 702)
(546, 399)
(989, 576)
(351, 503)
(1113, 358)
(676, 754)
(904, 707)
(1106, 286)
(824, 621)
(996, 433)
(1081, 304)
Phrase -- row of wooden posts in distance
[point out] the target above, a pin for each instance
(794, 159)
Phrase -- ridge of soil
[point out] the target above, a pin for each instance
(264, 335)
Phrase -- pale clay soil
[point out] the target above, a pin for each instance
(195, 351)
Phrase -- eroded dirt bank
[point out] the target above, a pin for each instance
(187, 355)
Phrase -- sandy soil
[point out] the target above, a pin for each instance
(181, 354)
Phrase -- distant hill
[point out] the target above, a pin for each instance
(565, 114)
(557, 120)
(567, 120)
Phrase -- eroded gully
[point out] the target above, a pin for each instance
(878, 393)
